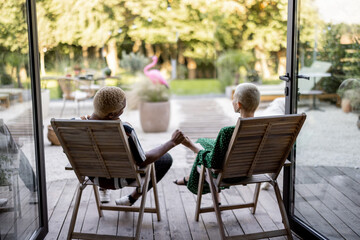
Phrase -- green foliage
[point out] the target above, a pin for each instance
(4, 174)
(195, 87)
(107, 71)
(228, 66)
(252, 76)
(181, 71)
(133, 62)
(149, 92)
(350, 89)
(343, 58)
(5, 79)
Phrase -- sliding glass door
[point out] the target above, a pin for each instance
(23, 213)
(324, 72)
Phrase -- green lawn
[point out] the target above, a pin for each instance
(195, 87)
(178, 87)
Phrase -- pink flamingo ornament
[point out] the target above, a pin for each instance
(154, 74)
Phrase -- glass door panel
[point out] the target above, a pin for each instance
(327, 182)
(19, 198)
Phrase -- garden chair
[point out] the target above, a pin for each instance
(101, 149)
(257, 152)
(73, 90)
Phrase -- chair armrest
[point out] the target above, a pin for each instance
(287, 163)
(142, 170)
(68, 167)
(215, 171)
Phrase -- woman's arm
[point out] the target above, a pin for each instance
(154, 154)
(189, 144)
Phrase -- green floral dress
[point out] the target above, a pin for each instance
(211, 157)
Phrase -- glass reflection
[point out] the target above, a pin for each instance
(18, 188)
(328, 153)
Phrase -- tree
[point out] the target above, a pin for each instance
(13, 35)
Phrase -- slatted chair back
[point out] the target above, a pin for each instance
(96, 148)
(261, 145)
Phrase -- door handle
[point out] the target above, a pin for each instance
(285, 77)
(303, 77)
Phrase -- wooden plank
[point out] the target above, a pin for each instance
(179, 228)
(91, 220)
(335, 201)
(161, 228)
(61, 210)
(108, 222)
(352, 190)
(245, 218)
(54, 192)
(126, 221)
(197, 229)
(351, 172)
(262, 217)
(319, 205)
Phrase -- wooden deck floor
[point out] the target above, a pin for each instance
(326, 198)
(177, 213)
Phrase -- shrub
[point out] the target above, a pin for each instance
(228, 66)
(133, 62)
(5, 79)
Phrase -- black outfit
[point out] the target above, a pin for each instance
(162, 165)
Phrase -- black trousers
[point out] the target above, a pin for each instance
(162, 166)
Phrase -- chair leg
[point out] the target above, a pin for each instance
(63, 107)
(282, 210)
(256, 196)
(199, 193)
(75, 212)
(216, 204)
(97, 200)
(154, 183)
(142, 205)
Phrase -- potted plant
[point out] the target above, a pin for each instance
(106, 72)
(154, 105)
(349, 91)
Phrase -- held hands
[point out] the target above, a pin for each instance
(85, 117)
(187, 142)
(177, 137)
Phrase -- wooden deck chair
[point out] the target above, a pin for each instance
(257, 152)
(101, 149)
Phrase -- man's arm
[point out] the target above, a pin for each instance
(154, 154)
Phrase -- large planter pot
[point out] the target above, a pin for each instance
(346, 105)
(154, 116)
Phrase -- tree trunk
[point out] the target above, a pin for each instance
(166, 54)
(85, 55)
(42, 63)
(111, 57)
(136, 46)
(18, 77)
(191, 65)
(261, 64)
(71, 54)
(149, 50)
(282, 62)
(157, 50)
(181, 58)
(97, 52)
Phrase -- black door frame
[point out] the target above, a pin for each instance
(297, 225)
(43, 229)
